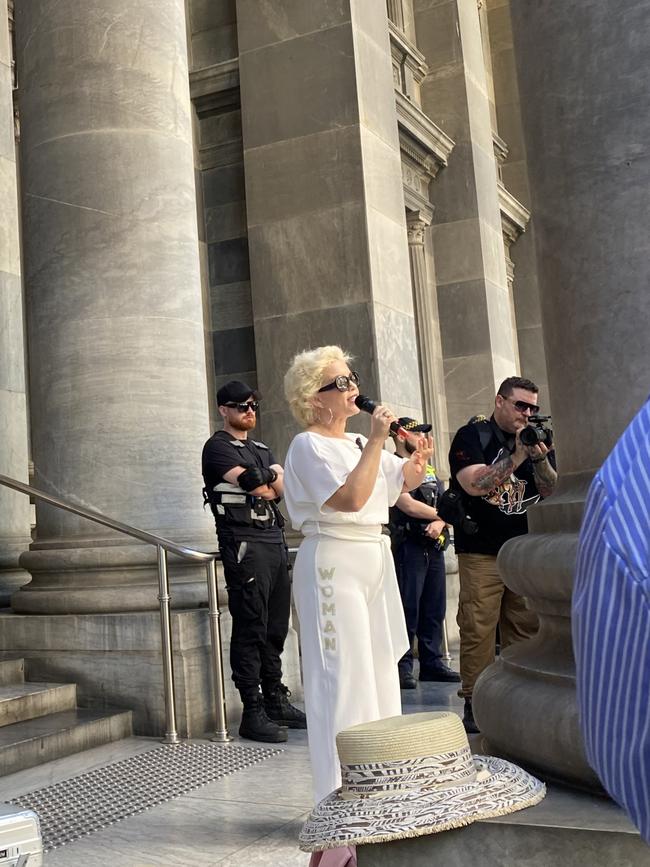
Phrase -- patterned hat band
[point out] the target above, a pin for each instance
(378, 779)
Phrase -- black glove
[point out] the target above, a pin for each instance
(255, 477)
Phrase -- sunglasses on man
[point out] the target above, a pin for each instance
(342, 383)
(244, 407)
(522, 406)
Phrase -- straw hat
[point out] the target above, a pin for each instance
(411, 775)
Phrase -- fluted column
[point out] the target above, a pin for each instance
(434, 407)
(117, 361)
(587, 136)
(14, 508)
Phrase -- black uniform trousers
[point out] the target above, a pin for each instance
(259, 601)
(422, 584)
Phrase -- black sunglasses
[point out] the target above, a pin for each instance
(522, 406)
(244, 407)
(342, 382)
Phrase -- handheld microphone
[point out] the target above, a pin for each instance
(364, 403)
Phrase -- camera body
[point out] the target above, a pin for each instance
(537, 431)
(451, 509)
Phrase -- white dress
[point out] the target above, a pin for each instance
(352, 630)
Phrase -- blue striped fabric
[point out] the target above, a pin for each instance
(611, 622)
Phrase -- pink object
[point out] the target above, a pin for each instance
(344, 856)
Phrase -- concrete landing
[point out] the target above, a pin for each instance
(567, 829)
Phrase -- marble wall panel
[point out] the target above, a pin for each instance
(469, 390)
(223, 184)
(321, 97)
(234, 350)
(302, 264)
(216, 45)
(7, 145)
(437, 32)
(526, 288)
(304, 174)
(208, 14)
(463, 309)
(231, 306)
(493, 252)
(12, 369)
(389, 263)
(456, 200)
(228, 261)
(264, 22)
(458, 251)
(372, 22)
(397, 358)
(14, 507)
(9, 246)
(224, 222)
(382, 176)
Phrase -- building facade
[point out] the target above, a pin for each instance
(194, 190)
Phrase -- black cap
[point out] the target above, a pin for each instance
(235, 392)
(411, 424)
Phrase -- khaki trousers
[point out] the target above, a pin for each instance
(484, 602)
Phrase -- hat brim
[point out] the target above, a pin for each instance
(337, 822)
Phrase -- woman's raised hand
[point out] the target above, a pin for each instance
(380, 422)
(423, 452)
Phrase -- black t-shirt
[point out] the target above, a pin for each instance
(221, 453)
(501, 515)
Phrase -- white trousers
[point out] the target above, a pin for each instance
(352, 633)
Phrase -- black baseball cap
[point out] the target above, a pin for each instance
(235, 392)
(413, 425)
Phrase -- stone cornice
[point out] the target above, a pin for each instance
(405, 52)
(514, 216)
(215, 86)
(426, 143)
(500, 148)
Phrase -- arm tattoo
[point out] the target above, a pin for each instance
(491, 477)
(545, 478)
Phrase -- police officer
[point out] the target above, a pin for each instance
(419, 540)
(243, 484)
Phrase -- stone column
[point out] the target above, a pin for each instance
(587, 136)
(434, 407)
(14, 507)
(478, 338)
(325, 208)
(117, 359)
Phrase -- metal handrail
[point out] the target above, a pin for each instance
(163, 546)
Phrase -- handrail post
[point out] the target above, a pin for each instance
(445, 642)
(221, 726)
(171, 734)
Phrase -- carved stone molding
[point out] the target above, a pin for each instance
(409, 64)
(425, 149)
(514, 216)
(215, 86)
(416, 223)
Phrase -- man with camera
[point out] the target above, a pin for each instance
(499, 468)
(243, 484)
(419, 538)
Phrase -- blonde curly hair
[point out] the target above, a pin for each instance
(305, 377)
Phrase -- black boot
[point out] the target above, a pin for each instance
(468, 719)
(256, 726)
(280, 710)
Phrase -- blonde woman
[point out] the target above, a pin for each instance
(338, 487)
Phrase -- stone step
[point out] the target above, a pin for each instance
(12, 671)
(26, 701)
(35, 741)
